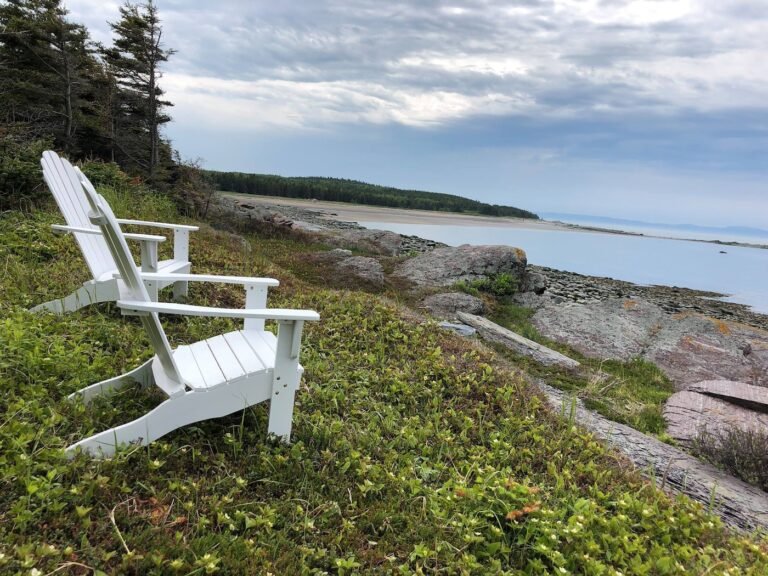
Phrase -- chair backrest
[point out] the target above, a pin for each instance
(68, 192)
(102, 216)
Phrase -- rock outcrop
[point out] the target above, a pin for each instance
(735, 501)
(688, 347)
(716, 405)
(445, 266)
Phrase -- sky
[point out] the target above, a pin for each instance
(644, 109)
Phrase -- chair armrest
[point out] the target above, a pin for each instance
(188, 310)
(63, 229)
(180, 235)
(244, 280)
(144, 237)
(186, 227)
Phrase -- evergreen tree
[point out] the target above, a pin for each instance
(134, 60)
(45, 61)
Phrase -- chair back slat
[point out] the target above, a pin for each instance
(67, 191)
(102, 216)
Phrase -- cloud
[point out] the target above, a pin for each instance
(666, 96)
(421, 63)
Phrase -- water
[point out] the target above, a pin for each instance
(741, 273)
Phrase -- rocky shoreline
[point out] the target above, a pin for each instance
(562, 286)
(700, 342)
(565, 286)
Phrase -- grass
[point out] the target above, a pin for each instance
(631, 392)
(413, 451)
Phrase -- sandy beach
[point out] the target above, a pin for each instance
(362, 214)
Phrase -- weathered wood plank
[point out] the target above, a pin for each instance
(519, 344)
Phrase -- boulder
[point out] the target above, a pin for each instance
(445, 266)
(446, 305)
(713, 406)
(534, 282)
(367, 269)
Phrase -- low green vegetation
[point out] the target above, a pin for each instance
(632, 392)
(499, 285)
(343, 190)
(414, 451)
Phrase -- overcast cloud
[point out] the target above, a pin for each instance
(651, 109)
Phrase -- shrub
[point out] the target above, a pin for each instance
(499, 285)
(21, 180)
(743, 453)
(105, 174)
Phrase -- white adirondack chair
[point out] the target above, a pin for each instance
(68, 186)
(206, 379)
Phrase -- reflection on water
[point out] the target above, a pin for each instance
(741, 273)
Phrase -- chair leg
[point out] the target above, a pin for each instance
(281, 404)
(142, 375)
(180, 290)
(154, 424)
(172, 414)
(89, 293)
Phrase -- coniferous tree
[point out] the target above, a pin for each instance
(45, 62)
(134, 60)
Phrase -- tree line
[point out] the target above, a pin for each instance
(59, 89)
(342, 190)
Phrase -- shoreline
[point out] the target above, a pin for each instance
(565, 286)
(359, 213)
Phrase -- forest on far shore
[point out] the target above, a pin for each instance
(353, 191)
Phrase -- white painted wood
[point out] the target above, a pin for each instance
(148, 256)
(226, 360)
(255, 297)
(185, 227)
(263, 345)
(285, 382)
(244, 280)
(96, 232)
(203, 380)
(69, 187)
(190, 310)
(246, 356)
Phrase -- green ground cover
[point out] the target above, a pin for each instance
(413, 451)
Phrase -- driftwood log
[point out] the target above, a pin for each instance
(737, 503)
(491, 331)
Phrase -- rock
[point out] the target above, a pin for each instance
(520, 344)
(460, 329)
(714, 406)
(305, 226)
(753, 397)
(735, 501)
(375, 241)
(688, 347)
(339, 253)
(367, 269)
(534, 282)
(445, 266)
(446, 305)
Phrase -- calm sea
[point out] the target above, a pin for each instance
(741, 273)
